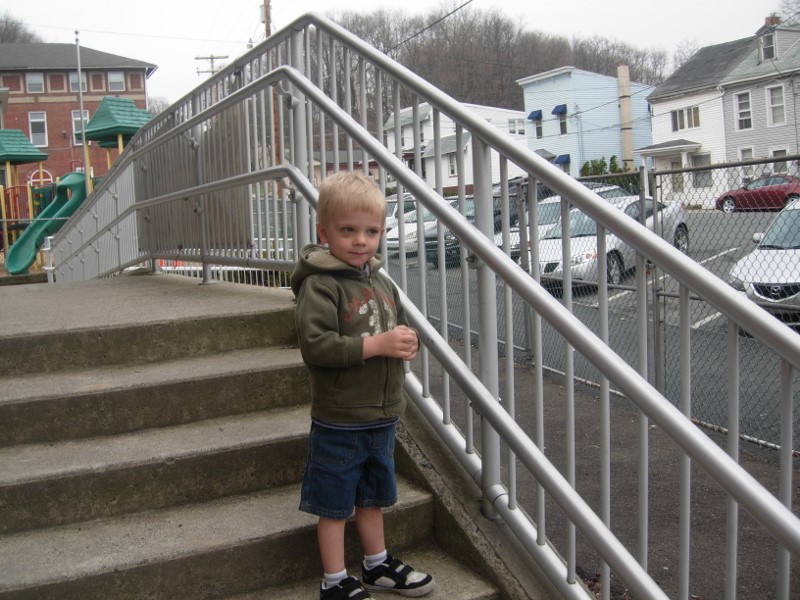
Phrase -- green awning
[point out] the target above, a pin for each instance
(116, 116)
(17, 149)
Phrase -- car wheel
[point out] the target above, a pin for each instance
(681, 241)
(614, 268)
(791, 197)
(728, 205)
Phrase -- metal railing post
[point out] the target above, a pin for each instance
(300, 132)
(487, 320)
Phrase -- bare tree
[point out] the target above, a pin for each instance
(156, 104)
(683, 52)
(789, 11)
(14, 31)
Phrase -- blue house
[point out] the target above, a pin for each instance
(575, 116)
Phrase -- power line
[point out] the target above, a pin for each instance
(424, 29)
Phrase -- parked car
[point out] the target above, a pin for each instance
(620, 257)
(770, 192)
(410, 233)
(452, 245)
(549, 214)
(409, 204)
(770, 274)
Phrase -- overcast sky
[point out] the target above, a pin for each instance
(172, 33)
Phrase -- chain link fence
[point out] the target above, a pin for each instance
(718, 238)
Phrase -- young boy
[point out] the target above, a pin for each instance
(354, 338)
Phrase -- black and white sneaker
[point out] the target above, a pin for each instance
(394, 576)
(348, 588)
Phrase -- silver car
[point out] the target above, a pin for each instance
(770, 274)
(549, 214)
(620, 256)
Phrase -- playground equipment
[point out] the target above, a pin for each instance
(70, 193)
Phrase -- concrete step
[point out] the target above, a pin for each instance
(208, 550)
(453, 580)
(117, 399)
(141, 319)
(66, 482)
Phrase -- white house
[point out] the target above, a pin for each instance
(730, 102)
(575, 116)
(510, 122)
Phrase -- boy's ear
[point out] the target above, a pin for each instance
(322, 234)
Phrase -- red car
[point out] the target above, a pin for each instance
(770, 192)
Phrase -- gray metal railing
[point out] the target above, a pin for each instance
(222, 183)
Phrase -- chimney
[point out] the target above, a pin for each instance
(772, 21)
(625, 118)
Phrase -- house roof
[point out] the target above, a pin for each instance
(751, 68)
(448, 145)
(705, 69)
(407, 116)
(116, 116)
(16, 149)
(669, 147)
(59, 57)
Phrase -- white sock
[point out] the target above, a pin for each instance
(373, 560)
(332, 579)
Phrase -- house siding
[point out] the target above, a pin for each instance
(593, 111)
(763, 138)
(498, 117)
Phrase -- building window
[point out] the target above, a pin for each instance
(685, 118)
(516, 126)
(768, 46)
(34, 83)
(76, 125)
(701, 179)
(562, 123)
(539, 132)
(776, 114)
(779, 167)
(37, 125)
(452, 165)
(744, 118)
(73, 82)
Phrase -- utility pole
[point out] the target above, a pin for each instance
(266, 17)
(210, 58)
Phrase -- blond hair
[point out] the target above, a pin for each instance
(349, 191)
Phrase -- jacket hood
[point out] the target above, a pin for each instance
(316, 259)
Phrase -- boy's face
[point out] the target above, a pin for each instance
(352, 236)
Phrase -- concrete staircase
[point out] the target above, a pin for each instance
(152, 438)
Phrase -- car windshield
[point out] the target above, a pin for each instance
(546, 214)
(411, 217)
(580, 225)
(784, 233)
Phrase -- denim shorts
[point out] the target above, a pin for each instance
(346, 468)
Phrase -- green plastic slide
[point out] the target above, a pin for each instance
(70, 193)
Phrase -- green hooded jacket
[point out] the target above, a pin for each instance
(337, 307)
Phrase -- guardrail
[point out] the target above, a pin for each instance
(233, 163)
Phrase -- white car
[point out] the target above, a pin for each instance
(620, 256)
(409, 204)
(410, 233)
(770, 274)
(549, 214)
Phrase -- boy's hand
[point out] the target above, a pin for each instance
(400, 342)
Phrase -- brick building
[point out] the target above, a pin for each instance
(39, 95)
